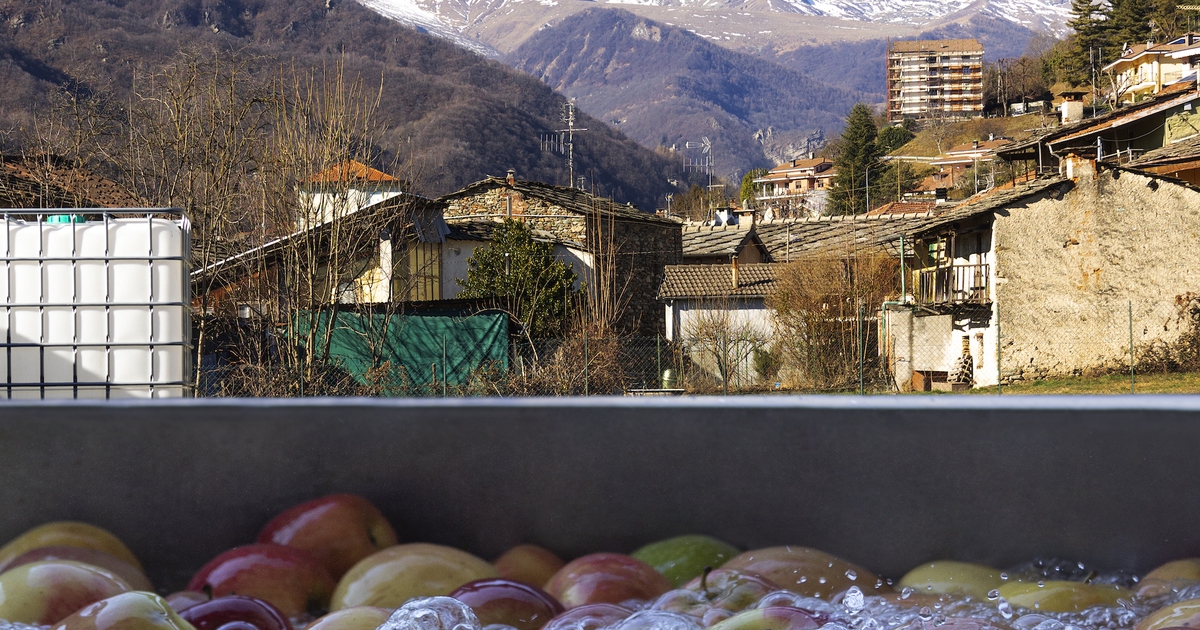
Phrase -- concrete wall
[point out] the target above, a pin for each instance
(1068, 270)
(885, 482)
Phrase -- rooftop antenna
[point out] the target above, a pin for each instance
(562, 141)
(705, 163)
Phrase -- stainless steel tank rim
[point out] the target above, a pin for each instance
(1141, 402)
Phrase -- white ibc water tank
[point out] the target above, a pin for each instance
(95, 304)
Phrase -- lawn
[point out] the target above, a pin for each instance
(1172, 383)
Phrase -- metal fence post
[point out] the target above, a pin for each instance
(861, 350)
(658, 357)
(1132, 378)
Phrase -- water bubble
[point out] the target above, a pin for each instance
(830, 565)
(906, 593)
(1041, 584)
(929, 587)
(803, 579)
(925, 614)
(853, 600)
(890, 582)
(1081, 567)
(1004, 608)
(878, 583)
(656, 620)
(851, 574)
(498, 626)
(940, 619)
(993, 594)
(591, 617)
(1003, 576)
(821, 579)
(432, 613)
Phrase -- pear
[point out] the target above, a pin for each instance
(390, 577)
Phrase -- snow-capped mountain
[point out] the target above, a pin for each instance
(467, 21)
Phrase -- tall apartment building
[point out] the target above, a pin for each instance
(935, 77)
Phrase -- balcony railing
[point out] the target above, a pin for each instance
(954, 285)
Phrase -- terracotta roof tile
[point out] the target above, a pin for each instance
(350, 171)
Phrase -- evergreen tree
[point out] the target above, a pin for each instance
(1090, 20)
(747, 192)
(858, 159)
(1129, 25)
(524, 274)
(893, 137)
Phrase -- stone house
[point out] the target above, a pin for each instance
(1050, 278)
(595, 235)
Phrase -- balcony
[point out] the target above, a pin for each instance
(957, 284)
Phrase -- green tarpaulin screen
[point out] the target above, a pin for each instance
(427, 347)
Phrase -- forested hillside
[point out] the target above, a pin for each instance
(665, 86)
(449, 113)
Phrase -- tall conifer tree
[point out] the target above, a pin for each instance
(1090, 20)
(859, 156)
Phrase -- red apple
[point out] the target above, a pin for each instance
(588, 617)
(530, 564)
(497, 600)
(214, 614)
(180, 601)
(286, 577)
(806, 571)
(337, 530)
(606, 578)
(44, 593)
(122, 569)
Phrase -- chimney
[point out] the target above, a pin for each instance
(974, 144)
(810, 155)
(735, 272)
(1072, 111)
(1076, 167)
(512, 177)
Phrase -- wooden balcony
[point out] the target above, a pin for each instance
(958, 284)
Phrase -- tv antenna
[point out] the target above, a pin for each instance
(562, 141)
(705, 163)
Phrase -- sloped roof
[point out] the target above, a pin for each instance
(350, 171)
(840, 235)
(904, 207)
(47, 181)
(716, 281)
(937, 46)
(716, 240)
(569, 199)
(1182, 151)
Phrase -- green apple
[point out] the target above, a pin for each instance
(68, 534)
(1170, 576)
(684, 557)
(44, 593)
(390, 577)
(356, 618)
(1058, 596)
(949, 577)
(136, 610)
(770, 618)
(1184, 614)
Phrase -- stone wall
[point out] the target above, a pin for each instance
(538, 213)
(1069, 269)
(644, 249)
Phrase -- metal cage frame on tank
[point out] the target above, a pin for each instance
(75, 302)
